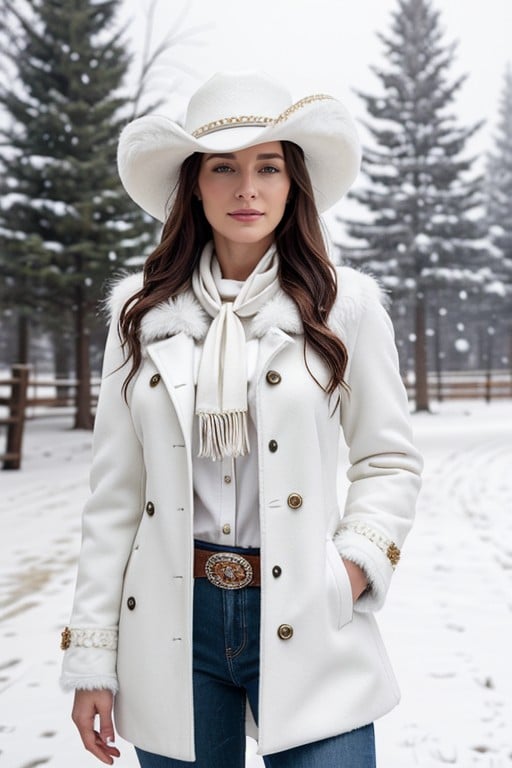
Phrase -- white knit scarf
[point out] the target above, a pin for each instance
(221, 396)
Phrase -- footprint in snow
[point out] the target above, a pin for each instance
(444, 753)
(10, 663)
(455, 627)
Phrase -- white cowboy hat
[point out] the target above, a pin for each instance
(232, 111)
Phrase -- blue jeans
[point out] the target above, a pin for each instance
(226, 670)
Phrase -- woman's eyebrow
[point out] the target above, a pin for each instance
(221, 155)
(270, 156)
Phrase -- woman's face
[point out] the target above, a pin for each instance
(244, 193)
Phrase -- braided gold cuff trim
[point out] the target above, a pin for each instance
(256, 121)
(387, 546)
(89, 638)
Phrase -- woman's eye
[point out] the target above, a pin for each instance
(270, 169)
(222, 169)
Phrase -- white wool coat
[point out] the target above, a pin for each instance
(131, 625)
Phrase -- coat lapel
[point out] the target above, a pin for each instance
(174, 360)
(270, 344)
(170, 330)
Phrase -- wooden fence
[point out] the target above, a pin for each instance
(15, 420)
(466, 385)
(32, 397)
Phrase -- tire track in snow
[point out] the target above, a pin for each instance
(478, 483)
(452, 605)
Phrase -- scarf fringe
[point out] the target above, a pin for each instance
(223, 435)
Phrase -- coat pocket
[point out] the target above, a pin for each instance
(340, 589)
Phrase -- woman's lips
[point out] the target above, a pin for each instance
(245, 215)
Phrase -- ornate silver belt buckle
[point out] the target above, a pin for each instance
(228, 570)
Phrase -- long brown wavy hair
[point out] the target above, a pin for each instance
(305, 271)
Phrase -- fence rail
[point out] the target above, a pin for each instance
(28, 397)
(466, 385)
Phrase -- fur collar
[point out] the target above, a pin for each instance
(184, 314)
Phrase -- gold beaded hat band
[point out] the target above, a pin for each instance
(230, 112)
(253, 121)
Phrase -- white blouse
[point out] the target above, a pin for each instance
(226, 496)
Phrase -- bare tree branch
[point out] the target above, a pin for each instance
(152, 57)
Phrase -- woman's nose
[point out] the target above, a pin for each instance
(246, 189)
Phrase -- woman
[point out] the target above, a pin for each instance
(217, 569)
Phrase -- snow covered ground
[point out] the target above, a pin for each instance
(447, 622)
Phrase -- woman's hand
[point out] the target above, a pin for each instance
(358, 579)
(86, 706)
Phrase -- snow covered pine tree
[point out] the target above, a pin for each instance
(66, 224)
(420, 235)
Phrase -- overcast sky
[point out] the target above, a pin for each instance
(327, 46)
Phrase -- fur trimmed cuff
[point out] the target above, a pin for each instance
(362, 551)
(88, 669)
(106, 683)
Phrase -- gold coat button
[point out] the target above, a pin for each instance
(273, 377)
(154, 380)
(285, 631)
(294, 500)
(226, 529)
(150, 508)
(65, 638)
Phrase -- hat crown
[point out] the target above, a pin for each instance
(233, 94)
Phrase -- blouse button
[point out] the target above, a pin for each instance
(227, 479)
(273, 446)
(276, 571)
(154, 380)
(131, 603)
(294, 500)
(273, 377)
(226, 529)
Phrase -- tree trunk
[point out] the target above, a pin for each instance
(510, 357)
(23, 338)
(62, 364)
(83, 415)
(438, 352)
(488, 368)
(420, 354)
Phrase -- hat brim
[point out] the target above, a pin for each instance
(152, 148)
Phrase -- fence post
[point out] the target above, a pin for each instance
(488, 385)
(16, 420)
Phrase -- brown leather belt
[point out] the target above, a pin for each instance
(227, 570)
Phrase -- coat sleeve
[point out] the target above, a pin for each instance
(385, 466)
(109, 523)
